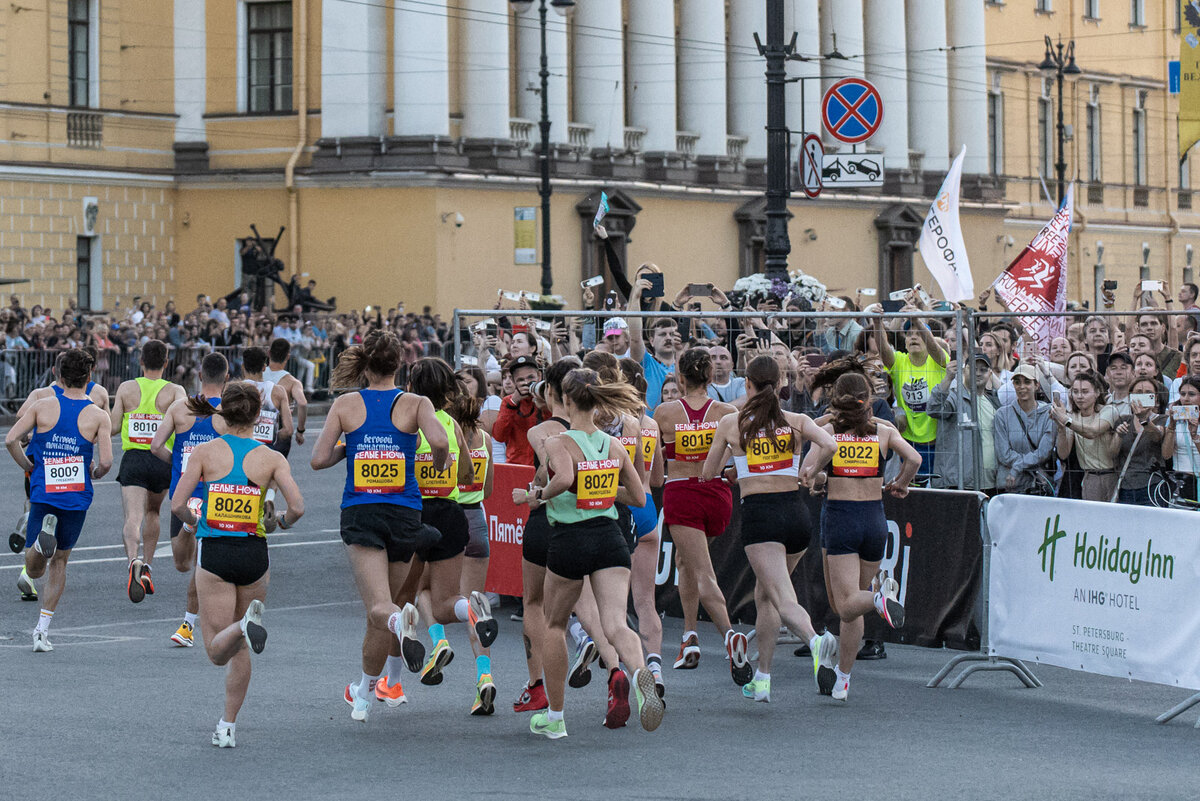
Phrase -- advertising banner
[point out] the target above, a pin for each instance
(506, 528)
(1099, 587)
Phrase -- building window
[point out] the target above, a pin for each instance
(79, 52)
(269, 57)
(1043, 6)
(1137, 13)
(1178, 17)
(1094, 159)
(1139, 139)
(996, 127)
(1045, 131)
(1091, 9)
(83, 272)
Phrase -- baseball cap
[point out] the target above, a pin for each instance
(614, 326)
(983, 357)
(1120, 355)
(522, 361)
(1026, 371)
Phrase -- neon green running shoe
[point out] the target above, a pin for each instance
(541, 724)
(825, 657)
(650, 707)
(758, 690)
(442, 655)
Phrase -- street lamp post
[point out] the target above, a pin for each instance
(564, 8)
(777, 52)
(1060, 64)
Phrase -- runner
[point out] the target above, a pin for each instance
(437, 575)
(853, 526)
(138, 411)
(274, 425)
(381, 505)
(276, 373)
(188, 431)
(696, 510)
(67, 428)
(233, 568)
(536, 542)
(589, 471)
(766, 445)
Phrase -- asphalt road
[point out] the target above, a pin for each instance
(117, 712)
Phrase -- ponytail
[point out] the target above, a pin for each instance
(584, 388)
(465, 408)
(378, 354)
(240, 404)
(850, 405)
(762, 412)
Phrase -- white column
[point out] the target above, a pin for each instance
(599, 75)
(652, 72)
(702, 75)
(747, 93)
(421, 68)
(967, 68)
(802, 17)
(928, 101)
(483, 56)
(529, 81)
(886, 67)
(841, 30)
(353, 69)
(191, 53)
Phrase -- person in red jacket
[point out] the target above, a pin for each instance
(518, 413)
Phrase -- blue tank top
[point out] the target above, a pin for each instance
(233, 504)
(62, 460)
(201, 431)
(380, 457)
(59, 390)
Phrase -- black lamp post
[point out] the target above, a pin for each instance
(564, 8)
(777, 52)
(1060, 64)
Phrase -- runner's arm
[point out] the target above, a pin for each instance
(435, 434)
(117, 415)
(186, 486)
(104, 460)
(631, 493)
(912, 462)
(559, 459)
(297, 393)
(24, 425)
(326, 452)
(821, 450)
(282, 478)
(466, 469)
(491, 471)
(279, 397)
(158, 446)
(719, 452)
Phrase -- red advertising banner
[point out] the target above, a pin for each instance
(506, 528)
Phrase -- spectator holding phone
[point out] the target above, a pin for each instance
(659, 360)
(840, 333)
(915, 372)
(1086, 428)
(1192, 361)
(1152, 327)
(725, 386)
(518, 413)
(1141, 441)
(1181, 440)
(950, 404)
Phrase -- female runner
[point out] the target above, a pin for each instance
(589, 471)
(381, 506)
(695, 509)
(853, 526)
(232, 567)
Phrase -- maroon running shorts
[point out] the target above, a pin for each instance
(703, 505)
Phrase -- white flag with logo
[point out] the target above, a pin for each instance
(942, 245)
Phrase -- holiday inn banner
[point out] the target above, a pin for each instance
(1103, 588)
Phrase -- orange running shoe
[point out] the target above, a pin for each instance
(689, 653)
(391, 694)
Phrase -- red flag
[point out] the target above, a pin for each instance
(1036, 281)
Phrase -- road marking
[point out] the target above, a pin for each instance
(270, 610)
(98, 639)
(72, 563)
(277, 534)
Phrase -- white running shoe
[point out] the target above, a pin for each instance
(41, 642)
(887, 600)
(252, 627)
(411, 648)
(360, 707)
(46, 543)
(25, 585)
(841, 689)
(223, 738)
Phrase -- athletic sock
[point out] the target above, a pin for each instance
(842, 676)
(394, 623)
(437, 633)
(225, 724)
(576, 630)
(760, 676)
(366, 685)
(461, 608)
(392, 669)
(555, 715)
(190, 619)
(483, 664)
(653, 658)
(43, 624)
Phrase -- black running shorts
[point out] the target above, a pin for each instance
(282, 445)
(144, 469)
(237, 560)
(387, 526)
(580, 549)
(535, 542)
(858, 527)
(776, 517)
(451, 522)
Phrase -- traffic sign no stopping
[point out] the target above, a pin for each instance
(852, 110)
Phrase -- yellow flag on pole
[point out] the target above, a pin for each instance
(1189, 76)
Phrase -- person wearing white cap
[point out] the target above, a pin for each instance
(616, 338)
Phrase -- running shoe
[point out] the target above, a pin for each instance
(442, 655)
(871, 649)
(689, 654)
(16, 541)
(824, 661)
(47, 544)
(147, 582)
(360, 707)
(585, 654)
(485, 696)
(137, 593)
(736, 646)
(183, 636)
(758, 690)
(41, 642)
(887, 603)
(650, 707)
(618, 699)
(25, 585)
(656, 671)
(479, 614)
(390, 694)
(223, 738)
(552, 729)
(252, 627)
(841, 689)
(410, 647)
(517, 617)
(532, 698)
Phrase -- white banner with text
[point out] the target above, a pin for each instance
(1100, 587)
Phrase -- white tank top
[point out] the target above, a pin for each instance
(274, 376)
(265, 390)
(762, 458)
(265, 428)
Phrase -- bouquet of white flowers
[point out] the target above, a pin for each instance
(758, 288)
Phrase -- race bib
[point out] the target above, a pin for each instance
(478, 471)
(379, 472)
(764, 455)
(916, 394)
(649, 440)
(143, 427)
(264, 427)
(184, 455)
(856, 457)
(630, 444)
(693, 441)
(65, 474)
(596, 486)
(234, 508)
(435, 483)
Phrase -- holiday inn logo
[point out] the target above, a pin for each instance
(1105, 556)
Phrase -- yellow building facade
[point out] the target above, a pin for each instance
(178, 125)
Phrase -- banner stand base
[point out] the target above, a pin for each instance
(1179, 709)
(985, 662)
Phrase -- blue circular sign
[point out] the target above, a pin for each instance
(852, 110)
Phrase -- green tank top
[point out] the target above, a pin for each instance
(434, 484)
(596, 482)
(139, 426)
(473, 492)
